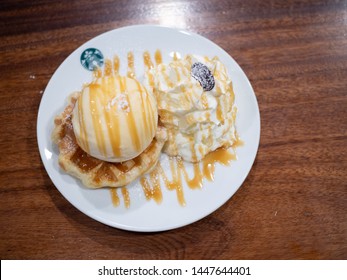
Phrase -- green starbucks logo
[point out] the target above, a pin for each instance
(92, 58)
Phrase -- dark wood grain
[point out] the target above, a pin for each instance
(293, 205)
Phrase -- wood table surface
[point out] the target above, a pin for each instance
(293, 204)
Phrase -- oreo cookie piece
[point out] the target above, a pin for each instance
(203, 75)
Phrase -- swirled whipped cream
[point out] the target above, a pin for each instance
(196, 104)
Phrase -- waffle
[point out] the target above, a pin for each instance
(93, 172)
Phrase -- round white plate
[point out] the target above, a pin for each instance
(143, 215)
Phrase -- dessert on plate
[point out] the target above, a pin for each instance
(196, 104)
(108, 135)
(114, 129)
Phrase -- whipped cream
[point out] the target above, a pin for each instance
(198, 121)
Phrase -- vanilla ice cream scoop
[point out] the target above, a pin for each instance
(115, 118)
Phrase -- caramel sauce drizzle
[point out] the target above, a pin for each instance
(147, 60)
(149, 65)
(97, 73)
(146, 123)
(108, 67)
(151, 188)
(115, 197)
(219, 112)
(158, 57)
(116, 64)
(178, 170)
(84, 161)
(178, 76)
(94, 91)
(112, 121)
(221, 156)
(126, 197)
(204, 101)
(131, 120)
(131, 67)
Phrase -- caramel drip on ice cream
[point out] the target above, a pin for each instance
(106, 104)
(93, 103)
(144, 104)
(150, 117)
(112, 121)
(130, 119)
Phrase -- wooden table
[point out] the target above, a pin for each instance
(293, 205)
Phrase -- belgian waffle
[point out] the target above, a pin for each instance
(93, 172)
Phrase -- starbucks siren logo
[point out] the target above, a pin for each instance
(92, 58)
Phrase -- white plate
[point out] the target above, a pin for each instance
(143, 215)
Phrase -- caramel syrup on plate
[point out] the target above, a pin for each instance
(205, 169)
(115, 197)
